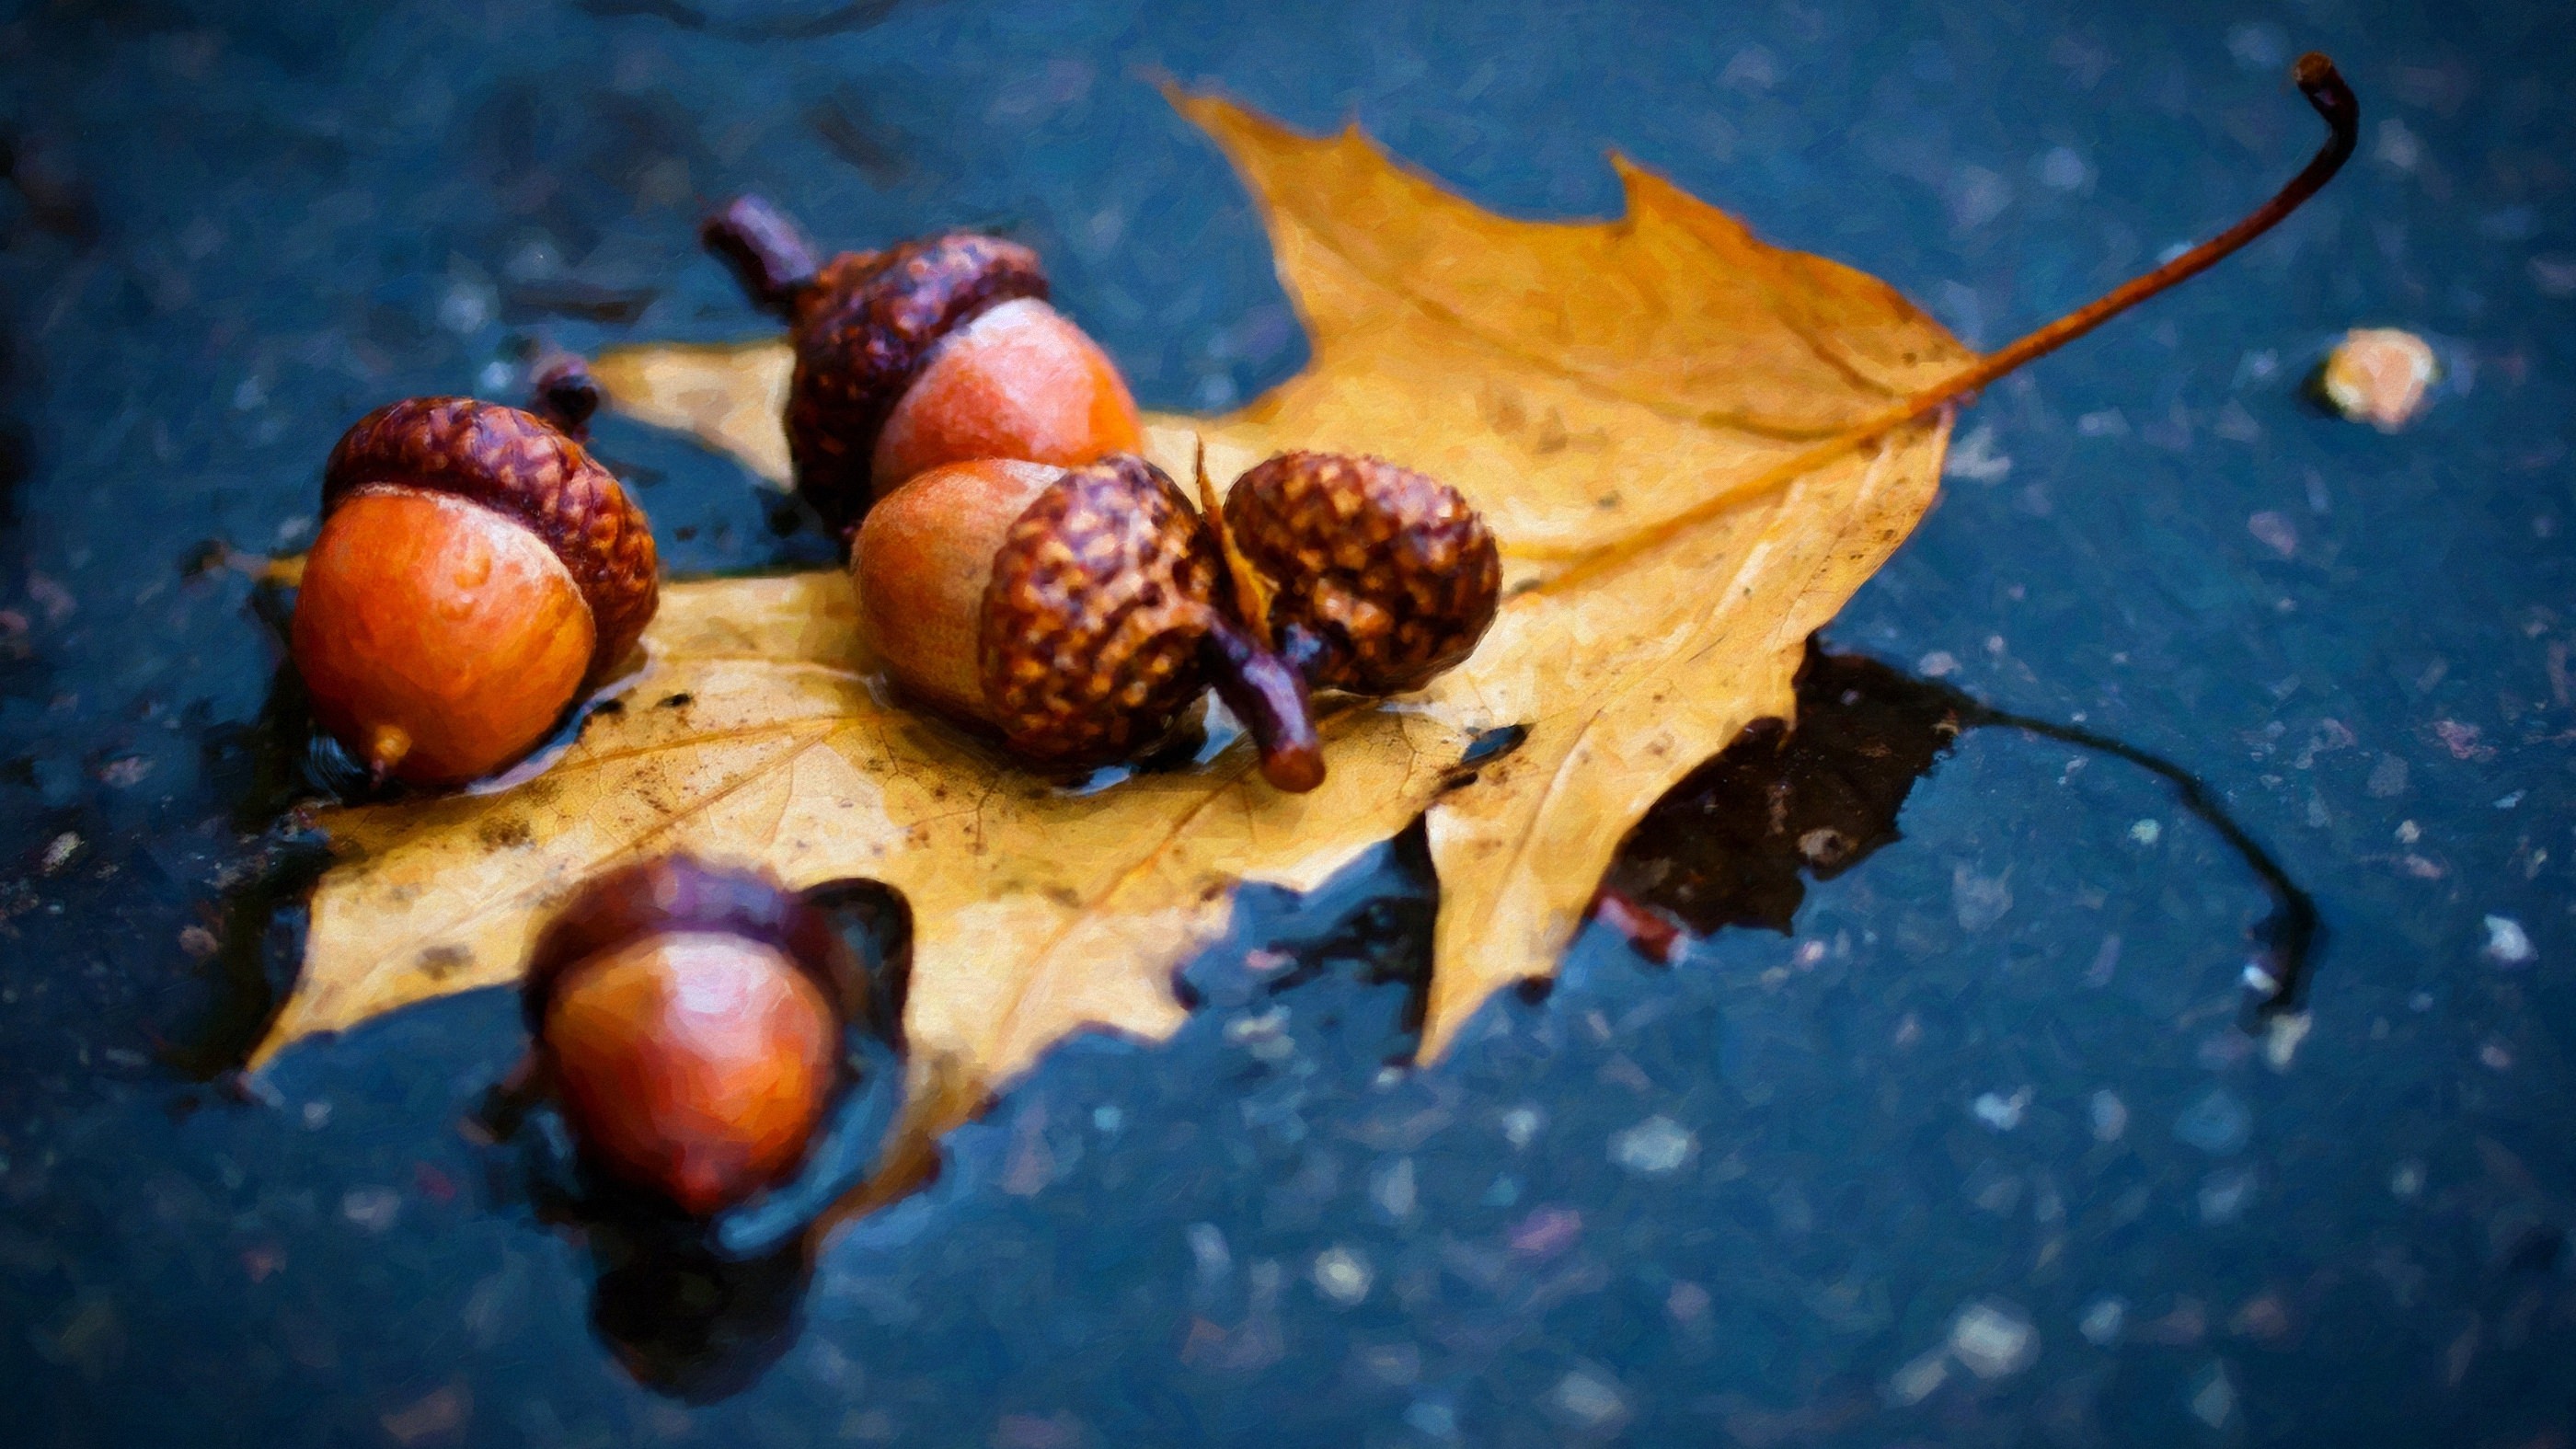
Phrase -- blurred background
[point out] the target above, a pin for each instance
(1974, 1151)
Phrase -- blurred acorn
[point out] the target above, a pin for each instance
(690, 1022)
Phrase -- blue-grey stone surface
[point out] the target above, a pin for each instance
(1977, 1154)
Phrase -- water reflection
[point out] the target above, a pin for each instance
(698, 1309)
(685, 1317)
(1732, 844)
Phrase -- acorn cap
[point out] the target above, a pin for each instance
(1390, 576)
(678, 893)
(863, 328)
(524, 466)
(1100, 596)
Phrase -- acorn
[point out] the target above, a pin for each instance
(475, 572)
(939, 350)
(1380, 577)
(1076, 611)
(689, 1020)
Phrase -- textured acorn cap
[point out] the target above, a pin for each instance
(862, 329)
(523, 466)
(678, 893)
(1100, 595)
(1390, 574)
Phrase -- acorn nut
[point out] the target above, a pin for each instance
(1074, 610)
(476, 570)
(939, 350)
(1381, 577)
(690, 1022)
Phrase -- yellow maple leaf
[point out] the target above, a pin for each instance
(1693, 447)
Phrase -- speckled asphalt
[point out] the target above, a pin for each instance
(1977, 1153)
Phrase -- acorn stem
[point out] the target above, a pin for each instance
(766, 252)
(1270, 699)
(562, 391)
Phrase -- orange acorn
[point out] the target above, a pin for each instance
(1078, 611)
(476, 570)
(940, 350)
(690, 1019)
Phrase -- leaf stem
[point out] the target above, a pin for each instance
(2317, 79)
(2325, 89)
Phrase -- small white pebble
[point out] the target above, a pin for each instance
(2000, 1112)
(2147, 832)
(2407, 1179)
(1993, 1338)
(2507, 943)
(1257, 1027)
(59, 852)
(1391, 1187)
(1687, 1303)
(2274, 531)
(1344, 1276)
(2379, 376)
(2216, 1122)
(1209, 1256)
(1589, 1399)
(1939, 664)
(2281, 1038)
(2102, 1321)
(1653, 1147)
(2408, 832)
(1915, 1382)
(2398, 146)
(1521, 1124)
(2110, 1116)
(2224, 1195)
(371, 1208)
(2213, 1402)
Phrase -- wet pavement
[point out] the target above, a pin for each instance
(1946, 1128)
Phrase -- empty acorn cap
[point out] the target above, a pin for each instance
(524, 467)
(862, 329)
(1382, 577)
